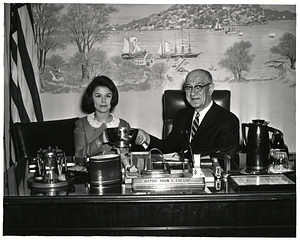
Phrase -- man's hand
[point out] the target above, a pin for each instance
(142, 138)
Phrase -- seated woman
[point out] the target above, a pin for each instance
(101, 96)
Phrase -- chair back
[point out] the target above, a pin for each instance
(32, 136)
(174, 100)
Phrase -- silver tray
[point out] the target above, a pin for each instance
(43, 184)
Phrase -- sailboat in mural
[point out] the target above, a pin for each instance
(218, 26)
(272, 35)
(174, 53)
(184, 53)
(231, 29)
(191, 54)
(130, 48)
(164, 49)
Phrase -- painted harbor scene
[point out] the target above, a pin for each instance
(156, 51)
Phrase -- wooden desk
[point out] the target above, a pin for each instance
(219, 214)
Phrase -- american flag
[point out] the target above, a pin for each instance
(24, 82)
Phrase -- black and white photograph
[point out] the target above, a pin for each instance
(153, 119)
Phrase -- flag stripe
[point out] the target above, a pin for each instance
(30, 45)
(24, 69)
(19, 88)
(25, 104)
(18, 110)
(27, 44)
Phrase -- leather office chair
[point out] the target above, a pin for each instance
(32, 136)
(174, 100)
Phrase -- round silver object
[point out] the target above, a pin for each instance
(120, 136)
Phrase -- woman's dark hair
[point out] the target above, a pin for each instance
(88, 104)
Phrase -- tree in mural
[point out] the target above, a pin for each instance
(158, 69)
(98, 62)
(237, 58)
(87, 23)
(286, 48)
(55, 62)
(46, 18)
(117, 60)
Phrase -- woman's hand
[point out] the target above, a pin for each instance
(142, 138)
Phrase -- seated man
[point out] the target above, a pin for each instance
(204, 126)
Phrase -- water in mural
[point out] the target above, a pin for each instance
(149, 58)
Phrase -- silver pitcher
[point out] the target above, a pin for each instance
(50, 164)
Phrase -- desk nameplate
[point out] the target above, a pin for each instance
(168, 183)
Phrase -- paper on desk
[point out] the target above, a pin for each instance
(172, 156)
(78, 168)
(176, 157)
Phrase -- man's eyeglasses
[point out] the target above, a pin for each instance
(197, 88)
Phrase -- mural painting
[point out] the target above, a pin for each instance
(237, 43)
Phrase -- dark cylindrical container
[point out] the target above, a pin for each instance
(257, 145)
(104, 173)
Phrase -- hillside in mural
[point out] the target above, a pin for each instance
(78, 42)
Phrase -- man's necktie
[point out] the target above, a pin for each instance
(195, 125)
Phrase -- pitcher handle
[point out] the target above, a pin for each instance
(273, 130)
(244, 125)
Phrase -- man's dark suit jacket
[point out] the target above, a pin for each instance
(217, 133)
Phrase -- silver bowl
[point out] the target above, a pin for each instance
(121, 136)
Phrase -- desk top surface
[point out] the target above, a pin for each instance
(20, 189)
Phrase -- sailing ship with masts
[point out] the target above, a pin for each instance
(184, 53)
(132, 52)
(164, 49)
(231, 29)
(218, 26)
(130, 48)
